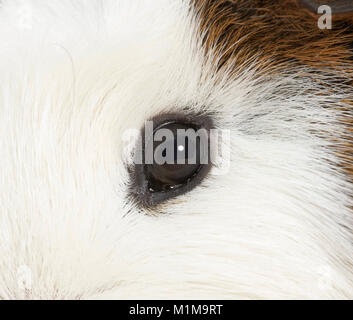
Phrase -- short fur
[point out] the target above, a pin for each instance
(75, 75)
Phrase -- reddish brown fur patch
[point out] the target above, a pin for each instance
(278, 33)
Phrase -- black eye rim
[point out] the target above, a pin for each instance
(139, 184)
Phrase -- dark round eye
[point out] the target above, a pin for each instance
(175, 159)
(177, 156)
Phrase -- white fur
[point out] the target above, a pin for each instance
(74, 75)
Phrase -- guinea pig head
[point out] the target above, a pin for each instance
(87, 85)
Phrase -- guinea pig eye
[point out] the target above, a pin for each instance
(175, 158)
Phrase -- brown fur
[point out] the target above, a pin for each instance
(337, 6)
(278, 33)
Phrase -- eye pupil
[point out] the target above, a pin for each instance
(177, 164)
(178, 169)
